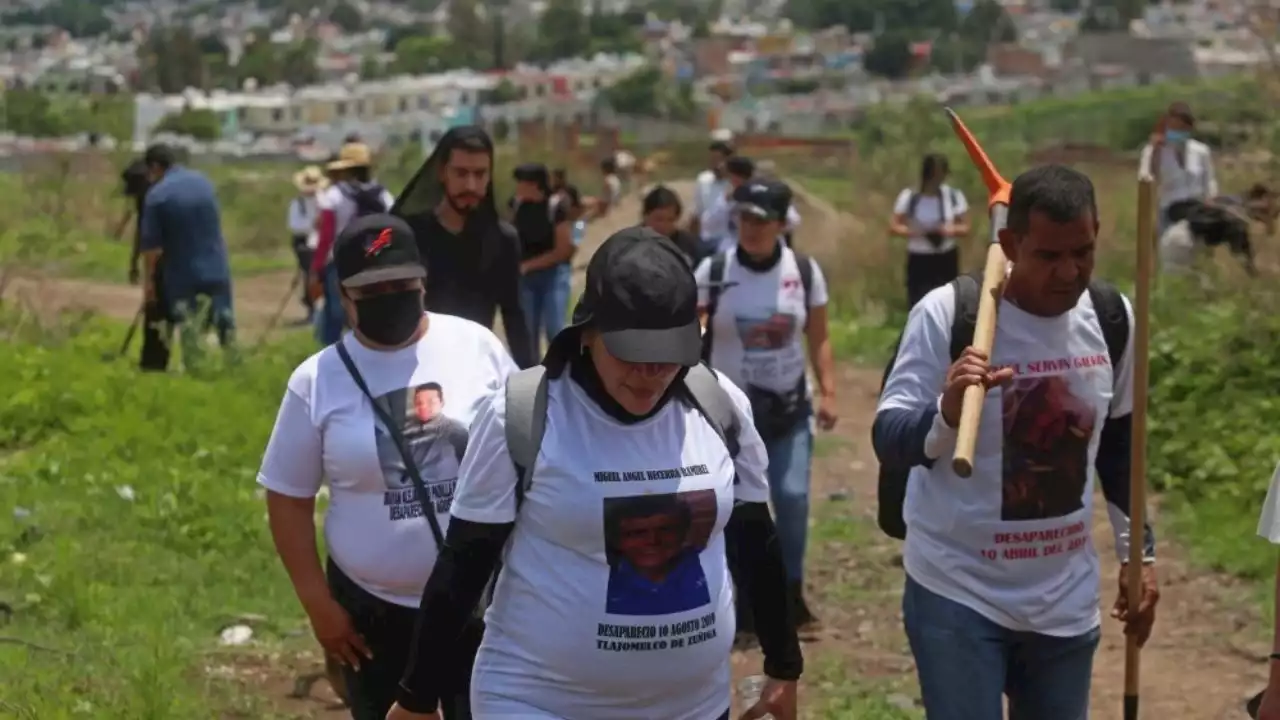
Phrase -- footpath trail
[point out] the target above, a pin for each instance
(1206, 657)
(257, 299)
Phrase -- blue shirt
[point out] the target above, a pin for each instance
(181, 218)
(564, 271)
(684, 588)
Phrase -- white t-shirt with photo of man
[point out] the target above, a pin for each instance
(328, 433)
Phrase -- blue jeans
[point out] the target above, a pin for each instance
(965, 663)
(789, 460)
(331, 319)
(544, 297)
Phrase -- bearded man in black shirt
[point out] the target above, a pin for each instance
(472, 257)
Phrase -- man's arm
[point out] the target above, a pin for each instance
(1113, 465)
(508, 288)
(1113, 458)
(909, 428)
(149, 244)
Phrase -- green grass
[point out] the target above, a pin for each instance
(133, 531)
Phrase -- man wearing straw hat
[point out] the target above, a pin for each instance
(353, 193)
(1002, 588)
(304, 219)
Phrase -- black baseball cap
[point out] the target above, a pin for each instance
(377, 248)
(766, 200)
(641, 296)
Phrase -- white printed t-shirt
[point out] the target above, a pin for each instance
(931, 213)
(758, 331)
(327, 431)
(1013, 542)
(614, 601)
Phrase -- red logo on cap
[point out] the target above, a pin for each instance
(378, 244)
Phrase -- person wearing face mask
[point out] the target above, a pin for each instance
(761, 303)
(367, 416)
(473, 256)
(612, 480)
(1181, 165)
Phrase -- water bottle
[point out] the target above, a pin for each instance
(749, 692)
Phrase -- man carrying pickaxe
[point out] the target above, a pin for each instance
(1002, 585)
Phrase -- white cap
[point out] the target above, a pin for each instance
(722, 135)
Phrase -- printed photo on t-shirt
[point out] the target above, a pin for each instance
(653, 544)
(1047, 431)
(760, 334)
(435, 441)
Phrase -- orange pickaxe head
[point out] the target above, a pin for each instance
(997, 187)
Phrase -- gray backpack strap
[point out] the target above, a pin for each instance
(715, 405)
(526, 394)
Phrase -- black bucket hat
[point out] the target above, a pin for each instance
(641, 296)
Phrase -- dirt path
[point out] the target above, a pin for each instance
(257, 299)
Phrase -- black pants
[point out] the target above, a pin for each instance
(304, 255)
(388, 630)
(155, 326)
(926, 271)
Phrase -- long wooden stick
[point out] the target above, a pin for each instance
(1138, 459)
(993, 275)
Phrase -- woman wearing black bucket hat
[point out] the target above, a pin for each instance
(612, 480)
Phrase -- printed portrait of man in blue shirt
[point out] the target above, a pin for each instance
(653, 543)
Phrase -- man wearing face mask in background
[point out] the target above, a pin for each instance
(472, 256)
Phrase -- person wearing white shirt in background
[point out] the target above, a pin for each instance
(1182, 166)
(931, 217)
(720, 220)
(304, 216)
(761, 305)
(381, 417)
(1002, 577)
(710, 187)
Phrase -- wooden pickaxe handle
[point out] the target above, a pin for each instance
(993, 275)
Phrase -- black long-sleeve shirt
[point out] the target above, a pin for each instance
(474, 273)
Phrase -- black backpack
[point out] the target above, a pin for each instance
(803, 265)
(367, 198)
(1108, 304)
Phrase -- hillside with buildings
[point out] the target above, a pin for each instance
(275, 75)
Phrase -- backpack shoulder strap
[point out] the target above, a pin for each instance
(911, 204)
(526, 422)
(968, 292)
(715, 404)
(804, 264)
(716, 279)
(1108, 305)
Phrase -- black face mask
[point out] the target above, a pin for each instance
(389, 319)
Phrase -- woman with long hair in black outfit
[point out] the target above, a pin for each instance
(931, 217)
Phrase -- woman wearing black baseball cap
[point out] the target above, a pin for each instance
(381, 418)
(611, 480)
